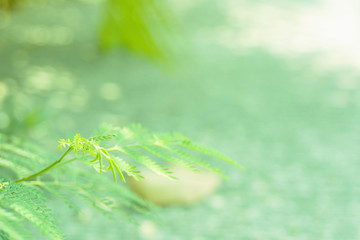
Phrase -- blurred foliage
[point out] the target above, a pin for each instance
(8, 4)
(22, 109)
(115, 149)
(144, 27)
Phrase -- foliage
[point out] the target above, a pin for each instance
(8, 4)
(29, 203)
(121, 150)
(144, 27)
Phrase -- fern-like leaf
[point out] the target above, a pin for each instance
(167, 156)
(128, 169)
(208, 151)
(147, 162)
(29, 204)
(11, 227)
(118, 150)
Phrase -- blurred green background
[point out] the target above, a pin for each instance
(273, 84)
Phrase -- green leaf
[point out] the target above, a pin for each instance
(29, 204)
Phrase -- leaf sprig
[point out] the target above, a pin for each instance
(91, 146)
(117, 149)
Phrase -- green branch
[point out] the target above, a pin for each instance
(47, 168)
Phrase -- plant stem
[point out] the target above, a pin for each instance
(45, 169)
(68, 161)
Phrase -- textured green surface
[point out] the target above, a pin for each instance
(293, 126)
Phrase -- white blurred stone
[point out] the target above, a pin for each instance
(190, 187)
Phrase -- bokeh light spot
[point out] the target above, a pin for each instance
(40, 78)
(148, 230)
(110, 91)
(79, 100)
(3, 91)
(4, 120)
(217, 202)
